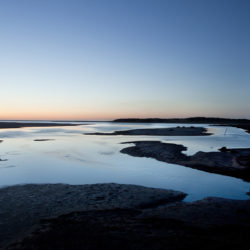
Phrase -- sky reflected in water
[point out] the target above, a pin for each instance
(74, 158)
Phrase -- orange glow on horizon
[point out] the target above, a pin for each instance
(98, 115)
(106, 116)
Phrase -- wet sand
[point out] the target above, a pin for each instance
(175, 131)
(232, 162)
(113, 216)
(23, 206)
(44, 139)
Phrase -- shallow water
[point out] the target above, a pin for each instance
(75, 158)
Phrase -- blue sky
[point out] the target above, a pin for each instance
(89, 59)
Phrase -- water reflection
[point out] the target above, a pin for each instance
(76, 158)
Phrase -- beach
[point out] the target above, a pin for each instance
(118, 216)
(175, 186)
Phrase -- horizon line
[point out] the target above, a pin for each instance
(124, 118)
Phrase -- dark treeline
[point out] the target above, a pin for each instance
(210, 120)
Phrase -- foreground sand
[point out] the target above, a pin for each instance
(114, 216)
(23, 206)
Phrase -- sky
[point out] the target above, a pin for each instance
(107, 59)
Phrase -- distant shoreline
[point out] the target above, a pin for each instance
(7, 125)
(238, 123)
(210, 120)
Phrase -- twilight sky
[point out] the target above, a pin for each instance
(90, 59)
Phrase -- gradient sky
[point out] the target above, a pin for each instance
(89, 59)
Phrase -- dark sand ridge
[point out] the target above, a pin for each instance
(23, 206)
(175, 131)
(232, 162)
(4, 125)
(112, 216)
(44, 139)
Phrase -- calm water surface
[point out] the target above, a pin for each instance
(75, 158)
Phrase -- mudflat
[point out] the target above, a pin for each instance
(23, 206)
(232, 162)
(44, 140)
(175, 131)
(113, 216)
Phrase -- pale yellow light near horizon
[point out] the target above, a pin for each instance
(96, 109)
(84, 115)
(20, 111)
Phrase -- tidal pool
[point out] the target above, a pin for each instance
(71, 157)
